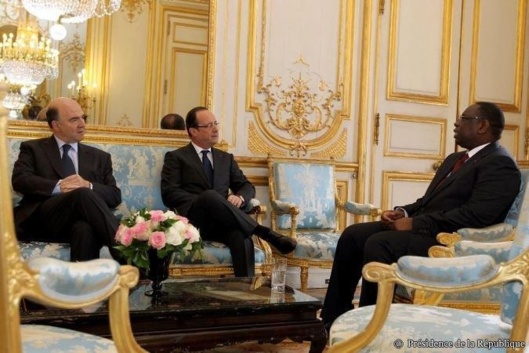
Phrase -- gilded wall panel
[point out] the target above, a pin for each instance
(510, 140)
(299, 81)
(400, 188)
(497, 60)
(428, 140)
(419, 61)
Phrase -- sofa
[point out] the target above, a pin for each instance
(137, 165)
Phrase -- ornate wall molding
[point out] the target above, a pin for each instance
(300, 108)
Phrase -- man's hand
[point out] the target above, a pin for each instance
(389, 217)
(403, 223)
(235, 200)
(73, 182)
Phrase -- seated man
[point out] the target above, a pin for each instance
(172, 122)
(473, 188)
(196, 180)
(68, 188)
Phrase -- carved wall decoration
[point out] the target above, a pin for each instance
(133, 8)
(336, 150)
(301, 107)
(73, 54)
(257, 145)
(125, 121)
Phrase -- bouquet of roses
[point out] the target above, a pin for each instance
(166, 232)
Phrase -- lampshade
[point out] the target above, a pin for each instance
(70, 11)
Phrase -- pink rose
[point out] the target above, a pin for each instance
(141, 231)
(182, 219)
(157, 216)
(157, 240)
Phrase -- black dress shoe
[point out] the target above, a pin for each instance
(280, 242)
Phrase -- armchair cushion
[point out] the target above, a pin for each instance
(430, 324)
(447, 272)
(316, 245)
(75, 282)
(46, 339)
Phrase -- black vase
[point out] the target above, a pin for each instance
(158, 272)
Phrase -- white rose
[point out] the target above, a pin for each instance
(139, 219)
(174, 234)
(169, 215)
(192, 233)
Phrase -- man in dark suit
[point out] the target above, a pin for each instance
(473, 188)
(196, 182)
(68, 192)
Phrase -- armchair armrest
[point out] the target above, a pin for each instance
(283, 207)
(447, 272)
(79, 284)
(364, 209)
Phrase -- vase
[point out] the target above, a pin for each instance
(158, 272)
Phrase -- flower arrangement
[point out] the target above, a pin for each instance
(166, 232)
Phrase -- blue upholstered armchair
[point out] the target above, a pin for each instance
(305, 205)
(57, 283)
(387, 327)
(495, 241)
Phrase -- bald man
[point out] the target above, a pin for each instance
(68, 188)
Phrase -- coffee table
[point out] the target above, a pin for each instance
(202, 314)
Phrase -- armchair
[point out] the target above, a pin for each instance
(495, 240)
(305, 205)
(56, 283)
(385, 326)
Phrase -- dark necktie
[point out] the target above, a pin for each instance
(459, 163)
(208, 168)
(455, 168)
(67, 163)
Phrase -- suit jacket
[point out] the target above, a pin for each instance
(477, 195)
(184, 178)
(38, 169)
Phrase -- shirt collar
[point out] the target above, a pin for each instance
(199, 149)
(475, 150)
(61, 143)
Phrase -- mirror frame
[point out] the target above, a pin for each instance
(133, 135)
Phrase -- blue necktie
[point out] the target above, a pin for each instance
(208, 168)
(67, 163)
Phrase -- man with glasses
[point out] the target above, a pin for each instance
(68, 188)
(473, 188)
(207, 186)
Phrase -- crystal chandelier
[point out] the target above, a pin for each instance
(68, 11)
(28, 59)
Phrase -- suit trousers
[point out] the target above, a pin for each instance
(79, 217)
(358, 245)
(219, 220)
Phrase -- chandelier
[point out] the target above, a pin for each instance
(68, 11)
(28, 59)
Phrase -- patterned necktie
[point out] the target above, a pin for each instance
(67, 163)
(208, 168)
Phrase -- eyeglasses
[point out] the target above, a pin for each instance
(467, 118)
(208, 126)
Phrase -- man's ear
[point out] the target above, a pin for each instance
(484, 126)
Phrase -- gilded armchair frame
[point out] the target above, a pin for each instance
(18, 280)
(294, 210)
(387, 277)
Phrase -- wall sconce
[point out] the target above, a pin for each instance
(83, 92)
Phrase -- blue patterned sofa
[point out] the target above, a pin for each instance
(137, 169)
